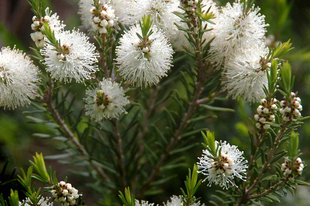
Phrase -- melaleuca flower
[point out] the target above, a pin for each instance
(266, 112)
(237, 30)
(177, 201)
(107, 101)
(125, 10)
(102, 18)
(134, 12)
(245, 74)
(144, 63)
(19, 79)
(292, 168)
(76, 59)
(37, 26)
(65, 194)
(42, 202)
(222, 168)
(85, 7)
(143, 203)
(162, 15)
(291, 108)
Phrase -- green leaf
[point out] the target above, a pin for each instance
(303, 183)
(286, 73)
(219, 109)
(282, 49)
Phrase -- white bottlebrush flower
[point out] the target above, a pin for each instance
(85, 7)
(162, 15)
(106, 101)
(77, 60)
(125, 10)
(143, 203)
(224, 167)
(177, 201)
(244, 76)
(42, 202)
(135, 10)
(236, 30)
(19, 79)
(37, 26)
(143, 63)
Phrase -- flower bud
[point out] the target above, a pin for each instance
(256, 117)
(266, 126)
(274, 107)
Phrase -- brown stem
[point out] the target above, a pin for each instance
(119, 149)
(247, 191)
(203, 72)
(209, 99)
(270, 190)
(175, 139)
(47, 99)
(103, 59)
(145, 126)
(177, 136)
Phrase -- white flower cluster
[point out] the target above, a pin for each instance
(266, 113)
(37, 26)
(107, 101)
(245, 74)
(292, 168)
(240, 48)
(177, 201)
(76, 59)
(65, 194)
(143, 203)
(102, 18)
(224, 167)
(291, 108)
(162, 15)
(237, 28)
(42, 202)
(144, 63)
(19, 78)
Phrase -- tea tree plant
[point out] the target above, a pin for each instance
(149, 72)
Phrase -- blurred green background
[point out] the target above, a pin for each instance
(287, 20)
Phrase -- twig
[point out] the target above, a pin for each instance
(211, 98)
(202, 75)
(247, 191)
(47, 99)
(175, 138)
(145, 126)
(120, 152)
(103, 59)
(270, 190)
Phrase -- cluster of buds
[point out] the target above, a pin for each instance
(37, 26)
(266, 113)
(292, 168)
(221, 166)
(291, 108)
(65, 50)
(103, 17)
(190, 4)
(65, 194)
(103, 101)
(144, 46)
